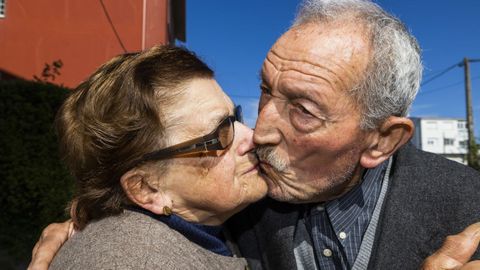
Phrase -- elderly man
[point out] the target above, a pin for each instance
(346, 190)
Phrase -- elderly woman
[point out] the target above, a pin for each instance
(161, 161)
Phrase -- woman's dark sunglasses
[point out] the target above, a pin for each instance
(219, 139)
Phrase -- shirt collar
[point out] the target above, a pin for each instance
(345, 211)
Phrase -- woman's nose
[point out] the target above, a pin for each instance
(244, 136)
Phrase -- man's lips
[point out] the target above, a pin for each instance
(266, 169)
(265, 165)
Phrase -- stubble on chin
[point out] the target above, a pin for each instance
(325, 184)
(273, 168)
(339, 179)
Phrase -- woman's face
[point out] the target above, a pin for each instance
(209, 189)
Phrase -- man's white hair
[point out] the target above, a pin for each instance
(393, 75)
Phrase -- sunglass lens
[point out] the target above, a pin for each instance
(226, 133)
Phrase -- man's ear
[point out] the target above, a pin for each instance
(391, 135)
(137, 186)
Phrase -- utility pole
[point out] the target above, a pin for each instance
(472, 146)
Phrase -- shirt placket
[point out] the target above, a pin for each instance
(326, 244)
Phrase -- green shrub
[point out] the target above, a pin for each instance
(34, 185)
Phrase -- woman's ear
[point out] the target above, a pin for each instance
(137, 184)
(391, 135)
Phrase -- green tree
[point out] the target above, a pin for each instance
(34, 185)
(477, 149)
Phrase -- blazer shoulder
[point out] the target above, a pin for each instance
(432, 168)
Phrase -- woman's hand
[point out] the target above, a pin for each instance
(51, 240)
(456, 251)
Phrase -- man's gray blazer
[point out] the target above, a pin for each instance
(428, 198)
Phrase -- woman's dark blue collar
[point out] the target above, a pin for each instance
(208, 237)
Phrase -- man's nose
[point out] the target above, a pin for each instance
(245, 137)
(266, 130)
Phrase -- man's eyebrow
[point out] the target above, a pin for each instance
(262, 78)
(260, 75)
(310, 92)
(302, 94)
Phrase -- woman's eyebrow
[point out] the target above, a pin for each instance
(219, 118)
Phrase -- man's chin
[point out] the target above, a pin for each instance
(276, 190)
(299, 196)
(282, 194)
(279, 196)
(280, 191)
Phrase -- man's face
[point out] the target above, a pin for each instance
(307, 131)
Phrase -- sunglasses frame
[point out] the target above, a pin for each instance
(206, 143)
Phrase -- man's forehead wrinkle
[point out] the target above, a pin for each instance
(338, 45)
(279, 77)
(294, 84)
(303, 64)
(304, 61)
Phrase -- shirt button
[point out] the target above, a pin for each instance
(342, 235)
(327, 252)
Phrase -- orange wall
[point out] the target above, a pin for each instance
(36, 32)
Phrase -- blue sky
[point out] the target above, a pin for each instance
(233, 37)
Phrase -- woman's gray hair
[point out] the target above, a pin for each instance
(393, 75)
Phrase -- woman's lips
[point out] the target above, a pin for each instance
(253, 168)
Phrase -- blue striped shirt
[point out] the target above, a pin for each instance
(337, 227)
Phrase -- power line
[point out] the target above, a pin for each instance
(431, 73)
(440, 73)
(445, 87)
(112, 26)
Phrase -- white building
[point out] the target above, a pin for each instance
(445, 136)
